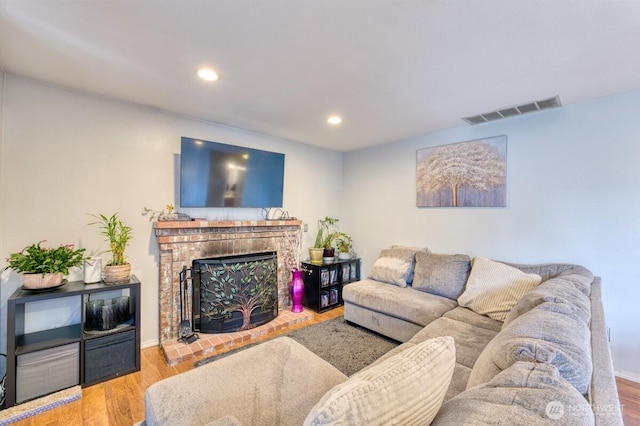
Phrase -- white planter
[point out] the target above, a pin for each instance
(41, 281)
(92, 270)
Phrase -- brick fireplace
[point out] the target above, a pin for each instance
(182, 241)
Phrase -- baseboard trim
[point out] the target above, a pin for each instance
(627, 375)
(149, 343)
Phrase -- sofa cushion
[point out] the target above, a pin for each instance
(468, 316)
(459, 381)
(470, 340)
(404, 303)
(271, 373)
(527, 393)
(540, 335)
(441, 274)
(494, 288)
(570, 299)
(394, 266)
(407, 388)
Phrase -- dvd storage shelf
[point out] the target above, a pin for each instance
(105, 344)
(323, 283)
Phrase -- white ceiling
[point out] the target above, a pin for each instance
(392, 69)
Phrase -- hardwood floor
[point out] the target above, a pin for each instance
(121, 401)
(629, 394)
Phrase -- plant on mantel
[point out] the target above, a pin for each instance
(157, 214)
(45, 267)
(118, 234)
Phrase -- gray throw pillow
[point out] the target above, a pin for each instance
(527, 393)
(441, 274)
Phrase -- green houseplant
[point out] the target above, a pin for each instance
(44, 267)
(344, 244)
(327, 232)
(118, 234)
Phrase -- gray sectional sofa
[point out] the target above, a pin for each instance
(557, 325)
(485, 342)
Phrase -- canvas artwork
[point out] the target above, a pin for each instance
(466, 174)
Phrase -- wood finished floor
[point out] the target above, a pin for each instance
(120, 401)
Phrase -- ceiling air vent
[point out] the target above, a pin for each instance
(515, 110)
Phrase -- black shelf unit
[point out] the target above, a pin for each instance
(323, 283)
(100, 355)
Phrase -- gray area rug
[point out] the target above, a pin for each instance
(346, 346)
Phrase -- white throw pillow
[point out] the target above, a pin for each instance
(407, 388)
(394, 266)
(494, 288)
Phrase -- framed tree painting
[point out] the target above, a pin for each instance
(465, 174)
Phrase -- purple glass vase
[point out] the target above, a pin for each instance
(297, 290)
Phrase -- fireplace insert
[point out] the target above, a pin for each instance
(232, 293)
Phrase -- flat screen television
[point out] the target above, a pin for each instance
(214, 174)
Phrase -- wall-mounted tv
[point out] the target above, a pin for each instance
(214, 174)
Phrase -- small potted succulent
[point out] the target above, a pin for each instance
(44, 268)
(118, 234)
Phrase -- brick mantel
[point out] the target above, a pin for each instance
(182, 241)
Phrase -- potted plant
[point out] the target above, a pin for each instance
(44, 268)
(327, 232)
(344, 244)
(118, 234)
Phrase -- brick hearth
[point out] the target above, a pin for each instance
(176, 352)
(182, 241)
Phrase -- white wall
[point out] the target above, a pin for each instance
(573, 196)
(67, 154)
(573, 193)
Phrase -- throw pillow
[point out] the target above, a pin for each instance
(441, 274)
(527, 393)
(494, 288)
(407, 388)
(394, 266)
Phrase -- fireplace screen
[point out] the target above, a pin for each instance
(234, 293)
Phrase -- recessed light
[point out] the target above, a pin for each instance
(208, 74)
(334, 119)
